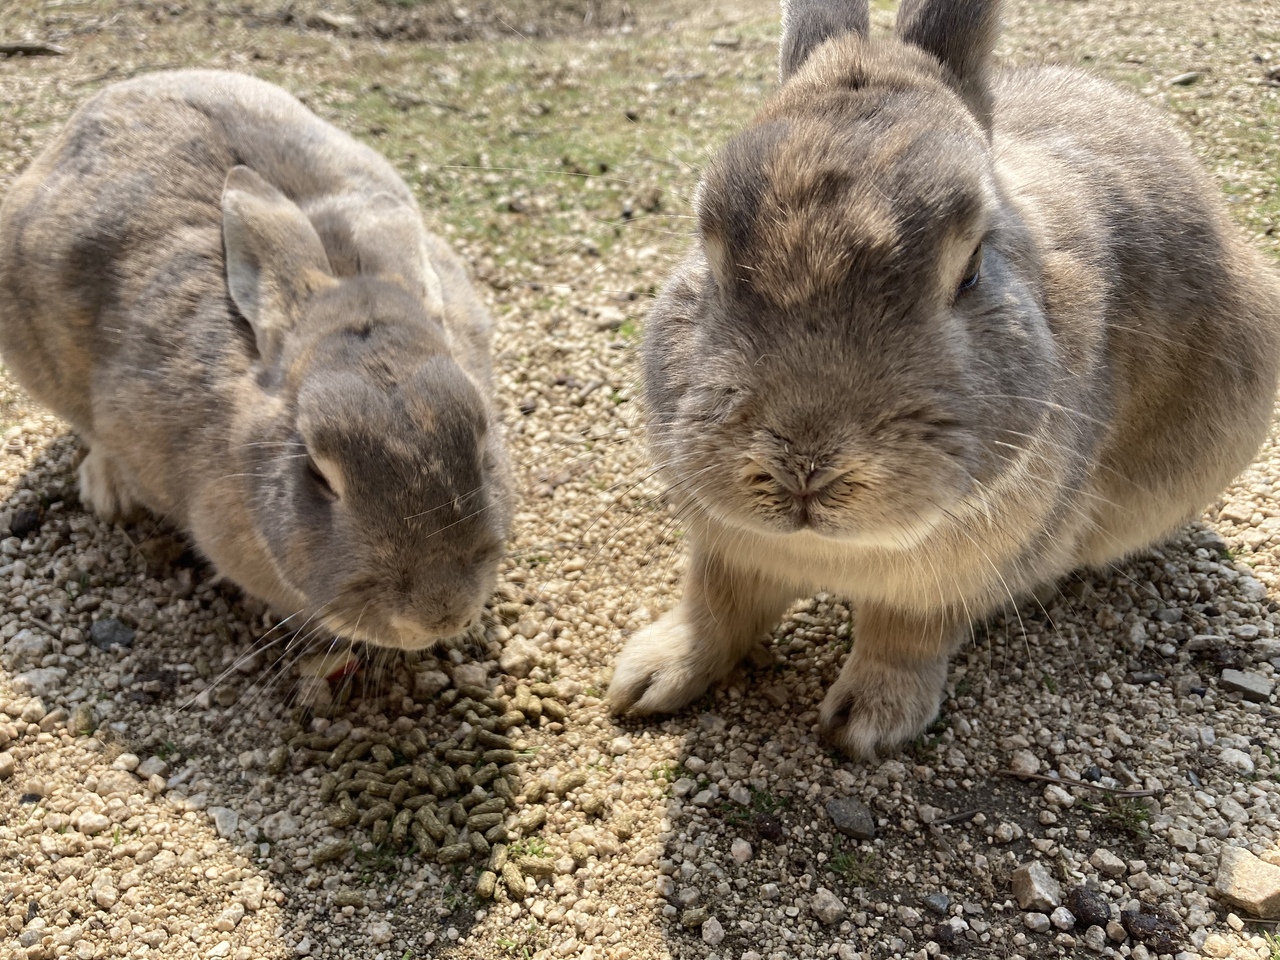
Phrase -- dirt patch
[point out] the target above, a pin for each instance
(406, 20)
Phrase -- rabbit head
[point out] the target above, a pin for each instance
(374, 472)
(845, 336)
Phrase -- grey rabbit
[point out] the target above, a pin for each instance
(946, 334)
(238, 308)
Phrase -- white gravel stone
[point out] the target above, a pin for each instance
(1024, 763)
(827, 907)
(712, 932)
(1036, 922)
(279, 826)
(518, 657)
(7, 765)
(152, 767)
(91, 823)
(1237, 759)
(1107, 863)
(1249, 882)
(1035, 887)
(225, 821)
(740, 851)
(1062, 918)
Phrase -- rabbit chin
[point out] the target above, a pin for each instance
(829, 534)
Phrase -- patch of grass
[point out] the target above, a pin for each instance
(377, 863)
(763, 803)
(1125, 814)
(1273, 944)
(858, 868)
(528, 847)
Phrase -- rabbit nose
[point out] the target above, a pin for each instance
(805, 481)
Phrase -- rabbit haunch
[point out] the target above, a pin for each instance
(946, 335)
(238, 308)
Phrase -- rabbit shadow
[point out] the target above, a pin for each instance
(766, 827)
(102, 621)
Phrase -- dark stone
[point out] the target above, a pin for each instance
(939, 903)
(1090, 908)
(1141, 678)
(30, 798)
(110, 632)
(24, 523)
(1092, 774)
(768, 828)
(852, 818)
(1154, 928)
(33, 910)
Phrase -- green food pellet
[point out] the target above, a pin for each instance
(487, 885)
(592, 804)
(532, 819)
(277, 760)
(496, 805)
(426, 816)
(400, 827)
(426, 846)
(494, 741)
(500, 756)
(483, 821)
(485, 774)
(381, 830)
(497, 834)
(536, 866)
(498, 857)
(571, 781)
(379, 811)
(328, 787)
(536, 790)
(512, 718)
(399, 792)
(454, 853)
(349, 898)
(479, 844)
(517, 886)
(553, 709)
(579, 852)
(328, 852)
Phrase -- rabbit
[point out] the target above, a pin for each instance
(238, 309)
(945, 335)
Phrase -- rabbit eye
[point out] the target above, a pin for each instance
(321, 482)
(972, 269)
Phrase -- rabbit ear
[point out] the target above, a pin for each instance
(961, 34)
(274, 255)
(393, 243)
(807, 24)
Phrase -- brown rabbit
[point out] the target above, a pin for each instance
(238, 308)
(946, 334)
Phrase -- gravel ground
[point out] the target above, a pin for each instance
(175, 781)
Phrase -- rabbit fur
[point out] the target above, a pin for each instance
(239, 310)
(946, 334)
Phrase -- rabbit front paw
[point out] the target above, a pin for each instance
(103, 487)
(875, 707)
(663, 668)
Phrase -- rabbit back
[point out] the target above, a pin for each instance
(1167, 317)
